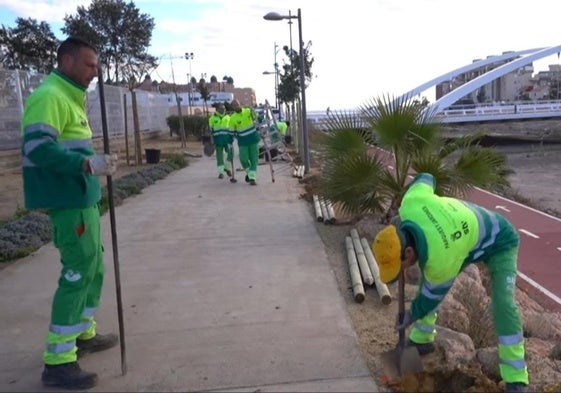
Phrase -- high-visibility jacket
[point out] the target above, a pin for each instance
(449, 234)
(56, 139)
(242, 124)
(220, 127)
(282, 126)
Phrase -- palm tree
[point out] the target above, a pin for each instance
(354, 155)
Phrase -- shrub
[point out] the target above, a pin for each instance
(195, 126)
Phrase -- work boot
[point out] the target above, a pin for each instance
(423, 349)
(100, 342)
(516, 387)
(246, 178)
(221, 176)
(252, 182)
(68, 376)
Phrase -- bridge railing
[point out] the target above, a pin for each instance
(474, 113)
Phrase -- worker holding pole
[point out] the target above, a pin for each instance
(60, 175)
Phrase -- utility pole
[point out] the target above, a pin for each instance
(189, 56)
(181, 124)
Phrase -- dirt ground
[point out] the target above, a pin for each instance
(535, 178)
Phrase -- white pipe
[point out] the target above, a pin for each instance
(301, 171)
(382, 288)
(358, 289)
(317, 208)
(361, 258)
(324, 211)
(330, 211)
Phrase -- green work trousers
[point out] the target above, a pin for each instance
(220, 164)
(505, 314)
(77, 236)
(249, 158)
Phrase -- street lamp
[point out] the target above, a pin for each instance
(189, 56)
(276, 74)
(277, 16)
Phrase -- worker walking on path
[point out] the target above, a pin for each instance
(242, 124)
(60, 175)
(445, 235)
(219, 124)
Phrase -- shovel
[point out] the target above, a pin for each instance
(401, 360)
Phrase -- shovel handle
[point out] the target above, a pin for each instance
(401, 307)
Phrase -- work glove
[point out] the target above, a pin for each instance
(103, 164)
(407, 321)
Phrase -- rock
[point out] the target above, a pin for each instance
(543, 325)
(488, 358)
(457, 347)
(453, 315)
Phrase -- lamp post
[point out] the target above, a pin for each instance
(189, 56)
(277, 16)
(276, 74)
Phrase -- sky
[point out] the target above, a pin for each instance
(362, 49)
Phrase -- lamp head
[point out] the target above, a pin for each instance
(273, 16)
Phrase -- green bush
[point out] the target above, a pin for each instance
(195, 126)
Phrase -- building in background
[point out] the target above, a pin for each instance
(518, 85)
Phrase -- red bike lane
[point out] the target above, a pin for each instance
(539, 259)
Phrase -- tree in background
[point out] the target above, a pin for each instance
(289, 84)
(205, 93)
(120, 32)
(30, 46)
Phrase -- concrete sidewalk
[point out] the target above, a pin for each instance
(226, 287)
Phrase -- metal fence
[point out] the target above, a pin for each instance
(16, 86)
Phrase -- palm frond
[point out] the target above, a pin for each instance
(331, 145)
(460, 143)
(353, 181)
(484, 167)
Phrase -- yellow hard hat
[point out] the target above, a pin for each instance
(387, 248)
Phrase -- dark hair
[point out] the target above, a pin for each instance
(71, 46)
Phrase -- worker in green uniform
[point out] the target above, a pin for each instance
(444, 235)
(60, 176)
(219, 126)
(242, 124)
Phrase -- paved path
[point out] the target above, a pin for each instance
(225, 287)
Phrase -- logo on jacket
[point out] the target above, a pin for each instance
(72, 276)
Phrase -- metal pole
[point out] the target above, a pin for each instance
(113, 225)
(303, 91)
(178, 103)
(276, 79)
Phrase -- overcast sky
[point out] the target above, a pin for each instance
(362, 48)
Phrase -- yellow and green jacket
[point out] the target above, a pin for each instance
(220, 127)
(242, 124)
(449, 234)
(56, 139)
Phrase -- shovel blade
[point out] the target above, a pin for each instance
(399, 362)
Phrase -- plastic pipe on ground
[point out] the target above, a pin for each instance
(361, 258)
(317, 208)
(358, 288)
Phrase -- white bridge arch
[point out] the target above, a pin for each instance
(484, 112)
